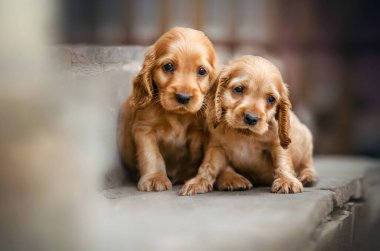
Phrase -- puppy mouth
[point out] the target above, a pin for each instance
(182, 108)
(250, 130)
(245, 131)
(242, 127)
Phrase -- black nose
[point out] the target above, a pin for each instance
(250, 119)
(183, 98)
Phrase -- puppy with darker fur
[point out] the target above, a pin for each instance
(161, 131)
(255, 137)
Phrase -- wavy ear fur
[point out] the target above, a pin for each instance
(215, 99)
(283, 117)
(142, 93)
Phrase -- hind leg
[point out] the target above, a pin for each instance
(306, 171)
(307, 174)
(229, 180)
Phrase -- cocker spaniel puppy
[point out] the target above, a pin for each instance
(254, 134)
(161, 131)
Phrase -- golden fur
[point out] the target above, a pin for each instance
(157, 135)
(276, 151)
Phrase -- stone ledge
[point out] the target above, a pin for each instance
(255, 219)
(220, 220)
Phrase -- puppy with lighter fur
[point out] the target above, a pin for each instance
(161, 131)
(255, 137)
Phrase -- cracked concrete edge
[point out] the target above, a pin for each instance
(355, 217)
(335, 232)
(354, 225)
(357, 188)
(319, 215)
(342, 194)
(361, 174)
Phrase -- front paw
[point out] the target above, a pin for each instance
(154, 182)
(196, 186)
(287, 185)
(232, 182)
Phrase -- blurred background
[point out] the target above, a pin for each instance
(58, 110)
(328, 51)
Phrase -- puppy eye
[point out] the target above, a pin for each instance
(169, 67)
(239, 89)
(202, 71)
(271, 99)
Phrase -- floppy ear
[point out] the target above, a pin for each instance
(142, 92)
(283, 113)
(215, 99)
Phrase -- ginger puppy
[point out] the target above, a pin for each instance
(253, 133)
(161, 129)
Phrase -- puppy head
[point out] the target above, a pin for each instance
(249, 94)
(177, 72)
